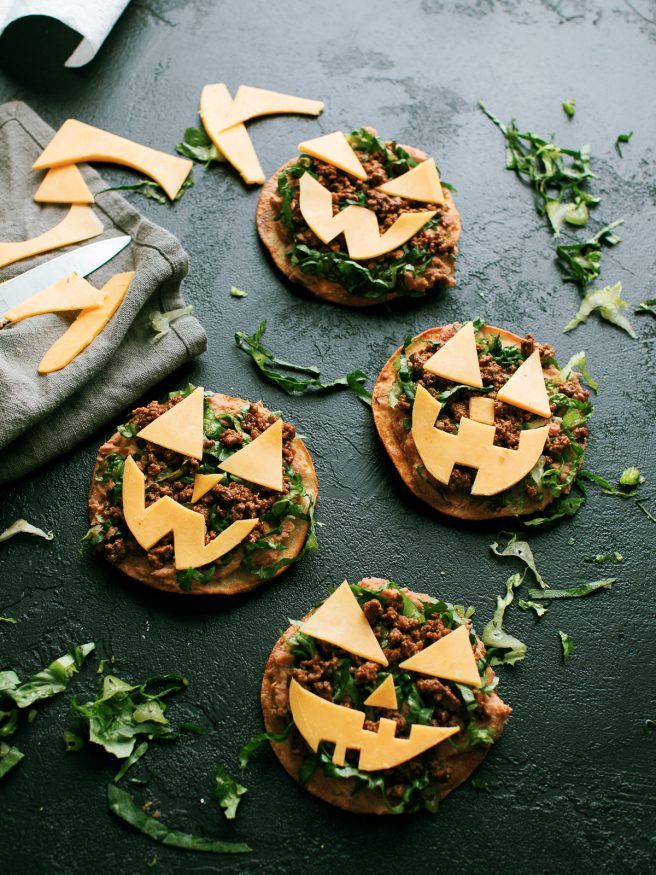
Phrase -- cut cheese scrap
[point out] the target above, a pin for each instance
(234, 144)
(63, 185)
(181, 428)
(457, 360)
(526, 388)
(88, 325)
(76, 141)
(72, 292)
(481, 409)
(250, 102)
(383, 696)
(422, 183)
(149, 524)
(203, 483)
(359, 225)
(341, 621)
(80, 223)
(335, 149)
(260, 461)
(499, 468)
(450, 658)
(320, 720)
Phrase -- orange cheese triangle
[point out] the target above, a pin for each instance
(202, 485)
(422, 183)
(181, 428)
(250, 102)
(234, 144)
(526, 388)
(260, 461)
(80, 223)
(340, 621)
(71, 292)
(457, 360)
(76, 141)
(63, 185)
(335, 149)
(88, 325)
(383, 696)
(450, 658)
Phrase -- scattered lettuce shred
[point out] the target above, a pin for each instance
(610, 305)
(238, 293)
(578, 361)
(228, 792)
(573, 592)
(622, 138)
(569, 107)
(256, 741)
(504, 648)
(528, 605)
(161, 322)
(520, 550)
(195, 144)
(567, 644)
(22, 527)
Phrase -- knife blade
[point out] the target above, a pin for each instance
(83, 260)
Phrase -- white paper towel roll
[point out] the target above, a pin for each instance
(93, 19)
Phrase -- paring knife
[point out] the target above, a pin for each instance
(83, 260)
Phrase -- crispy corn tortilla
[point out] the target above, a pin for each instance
(234, 578)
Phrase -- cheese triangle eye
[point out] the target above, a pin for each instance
(450, 658)
(526, 388)
(179, 429)
(335, 149)
(383, 696)
(457, 360)
(422, 183)
(260, 461)
(340, 621)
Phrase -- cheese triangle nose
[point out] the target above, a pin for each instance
(383, 696)
(457, 360)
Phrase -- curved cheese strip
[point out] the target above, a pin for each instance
(481, 409)
(335, 149)
(319, 720)
(422, 183)
(63, 185)
(203, 483)
(457, 360)
(234, 144)
(260, 461)
(71, 292)
(149, 524)
(88, 325)
(341, 621)
(450, 658)
(250, 102)
(498, 468)
(181, 428)
(80, 223)
(383, 696)
(359, 225)
(76, 141)
(526, 388)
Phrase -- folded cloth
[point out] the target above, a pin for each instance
(41, 416)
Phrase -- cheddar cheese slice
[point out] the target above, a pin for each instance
(383, 696)
(203, 483)
(481, 409)
(250, 102)
(80, 223)
(422, 183)
(260, 461)
(340, 621)
(63, 185)
(526, 388)
(335, 149)
(181, 428)
(88, 325)
(457, 360)
(450, 658)
(76, 141)
(72, 292)
(234, 144)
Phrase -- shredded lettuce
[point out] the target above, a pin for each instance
(573, 592)
(578, 361)
(567, 644)
(22, 527)
(610, 304)
(228, 792)
(521, 550)
(506, 649)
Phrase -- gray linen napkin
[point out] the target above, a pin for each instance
(41, 416)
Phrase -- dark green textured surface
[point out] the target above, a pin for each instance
(572, 780)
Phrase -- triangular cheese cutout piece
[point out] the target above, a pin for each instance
(71, 292)
(203, 483)
(383, 696)
(450, 658)
(234, 144)
(80, 223)
(341, 621)
(335, 149)
(88, 325)
(63, 185)
(526, 388)
(76, 141)
(457, 360)
(260, 461)
(181, 428)
(250, 102)
(422, 183)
